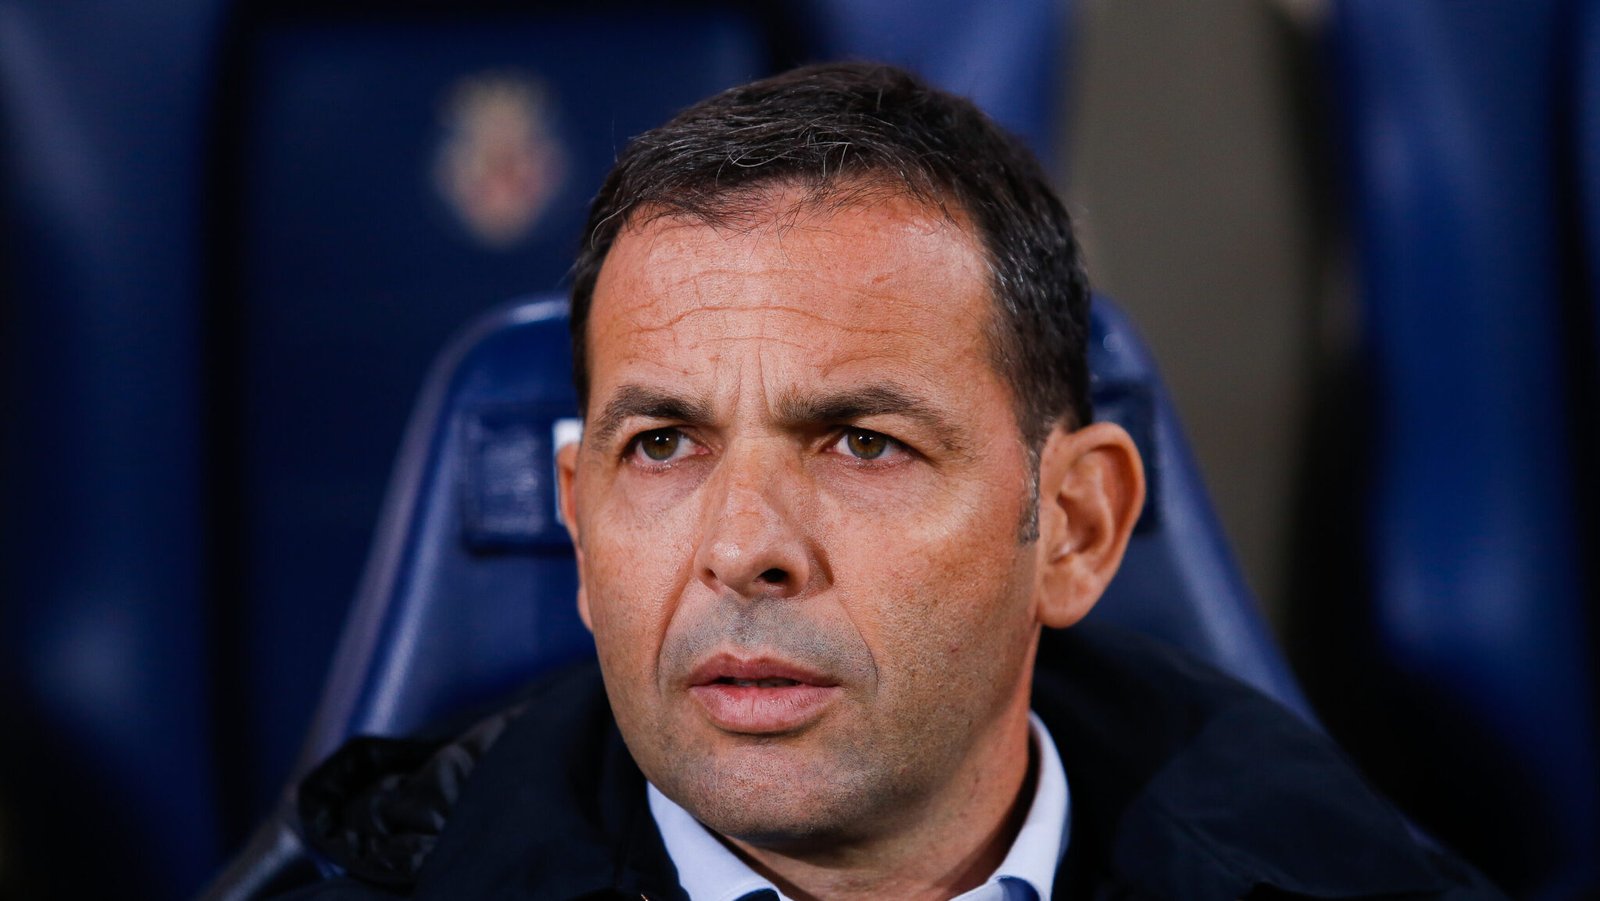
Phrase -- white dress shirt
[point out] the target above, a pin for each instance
(709, 871)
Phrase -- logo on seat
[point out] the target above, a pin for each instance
(499, 165)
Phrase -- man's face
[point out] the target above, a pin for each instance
(797, 506)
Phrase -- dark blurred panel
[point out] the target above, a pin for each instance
(106, 765)
(1447, 616)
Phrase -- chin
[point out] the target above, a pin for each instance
(768, 819)
(774, 800)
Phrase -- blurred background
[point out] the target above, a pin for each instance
(1360, 235)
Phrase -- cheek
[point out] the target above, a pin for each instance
(633, 572)
(946, 585)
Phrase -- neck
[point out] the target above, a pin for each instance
(935, 850)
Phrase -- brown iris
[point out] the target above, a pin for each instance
(866, 445)
(660, 445)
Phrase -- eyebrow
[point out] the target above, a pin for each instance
(807, 410)
(652, 403)
(795, 410)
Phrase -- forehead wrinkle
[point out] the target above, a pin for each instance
(766, 341)
(924, 363)
(650, 289)
(783, 240)
(671, 326)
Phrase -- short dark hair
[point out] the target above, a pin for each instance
(846, 132)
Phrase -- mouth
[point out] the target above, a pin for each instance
(755, 683)
(760, 696)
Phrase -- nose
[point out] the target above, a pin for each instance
(753, 542)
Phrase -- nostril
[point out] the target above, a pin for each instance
(774, 576)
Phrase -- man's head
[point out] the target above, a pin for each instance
(829, 331)
(848, 132)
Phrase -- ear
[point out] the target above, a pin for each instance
(1091, 489)
(566, 482)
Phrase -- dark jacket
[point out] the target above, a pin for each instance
(1184, 784)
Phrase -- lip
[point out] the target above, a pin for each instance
(801, 696)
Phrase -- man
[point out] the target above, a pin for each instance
(839, 473)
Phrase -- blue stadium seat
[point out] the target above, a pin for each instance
(470, 588)
(1477, 640)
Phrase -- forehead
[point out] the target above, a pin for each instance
(891, 281)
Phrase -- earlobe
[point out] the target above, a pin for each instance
(583, 607)
(1091, 489)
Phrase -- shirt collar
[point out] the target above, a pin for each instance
(709, 871)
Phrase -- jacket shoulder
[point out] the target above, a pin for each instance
(376, 809)
(1188, 784)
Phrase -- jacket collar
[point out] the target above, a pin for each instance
(1184, 784)
(557, 811)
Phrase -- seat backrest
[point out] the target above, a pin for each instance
(469, 590)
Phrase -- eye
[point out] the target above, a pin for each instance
(863, 444)
(661, 446)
